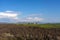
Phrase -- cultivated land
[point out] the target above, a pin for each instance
(30, 31)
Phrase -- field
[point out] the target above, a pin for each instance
(48, 25)
(30, 31)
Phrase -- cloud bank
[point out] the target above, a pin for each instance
(15, 16)
(31, 19)
(8, 14)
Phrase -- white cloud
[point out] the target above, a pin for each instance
(8, 14)
(31, 19)
(14, 16)
(34, 18)
(38, 19)
(8, 11)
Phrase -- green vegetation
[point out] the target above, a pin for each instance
(48, 25)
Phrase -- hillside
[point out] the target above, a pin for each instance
(29, 32)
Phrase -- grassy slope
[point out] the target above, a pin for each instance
(42, 25)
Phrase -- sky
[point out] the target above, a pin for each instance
(47, 11)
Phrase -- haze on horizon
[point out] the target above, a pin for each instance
(47, 11)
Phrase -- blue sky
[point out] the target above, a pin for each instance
(30, 10)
